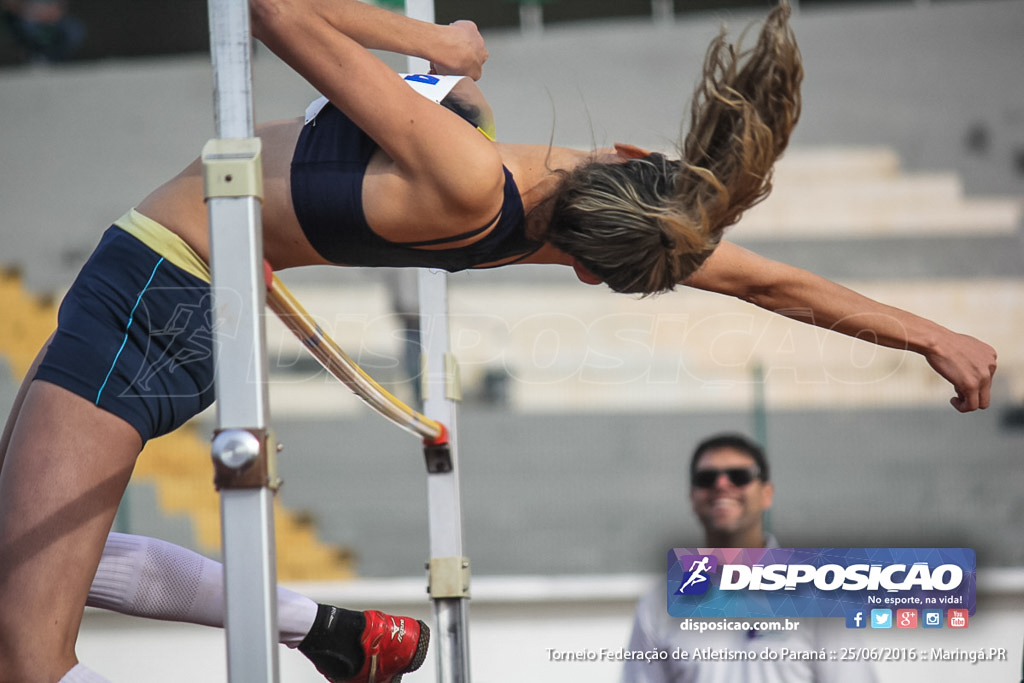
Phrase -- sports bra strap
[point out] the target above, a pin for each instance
(454, 238)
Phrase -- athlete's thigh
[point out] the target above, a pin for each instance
(65, 470)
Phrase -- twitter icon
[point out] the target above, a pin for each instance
(881, 618)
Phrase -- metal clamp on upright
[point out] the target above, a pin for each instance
(448, 577)
(245, 459)
(232, 167)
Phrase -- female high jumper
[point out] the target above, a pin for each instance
(380, 176)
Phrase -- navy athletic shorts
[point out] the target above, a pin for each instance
(134, 337)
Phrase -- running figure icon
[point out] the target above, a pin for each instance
(697, 571)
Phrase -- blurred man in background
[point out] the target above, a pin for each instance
(730, 491)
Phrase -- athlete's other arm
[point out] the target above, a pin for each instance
(446, 174)
(456, 49)
(967, 363)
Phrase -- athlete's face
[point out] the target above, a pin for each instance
(726, 510)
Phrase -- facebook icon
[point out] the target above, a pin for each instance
(856, 618)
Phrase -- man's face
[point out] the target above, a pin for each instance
(725, 509)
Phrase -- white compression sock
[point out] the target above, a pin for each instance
(81, 674)
(147, 577)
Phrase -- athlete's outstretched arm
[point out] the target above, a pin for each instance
(967, 363)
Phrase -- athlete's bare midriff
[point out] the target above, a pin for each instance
(178, 204)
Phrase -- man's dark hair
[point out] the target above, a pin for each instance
(737, 442)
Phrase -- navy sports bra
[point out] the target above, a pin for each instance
(327, 172)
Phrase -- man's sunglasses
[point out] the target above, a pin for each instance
(738, 476)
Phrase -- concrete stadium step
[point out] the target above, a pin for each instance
(693, 348)
(807, 165)
(567, 348)
(840, 193)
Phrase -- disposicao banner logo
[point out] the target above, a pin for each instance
(817, 582)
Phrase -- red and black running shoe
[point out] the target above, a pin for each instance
(393, 646)
(366, 647)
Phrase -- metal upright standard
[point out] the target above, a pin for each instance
(243, 449)
(448, 580)
(448, 568)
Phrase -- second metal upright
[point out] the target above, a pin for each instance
(449, 570)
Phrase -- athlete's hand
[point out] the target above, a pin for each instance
(968, 364)
(464, 53)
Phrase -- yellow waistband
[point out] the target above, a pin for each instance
(164, 242)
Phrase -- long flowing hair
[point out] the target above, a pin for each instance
(645, 225)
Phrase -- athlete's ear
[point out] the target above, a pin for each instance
(628, 151)
(584, 275)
